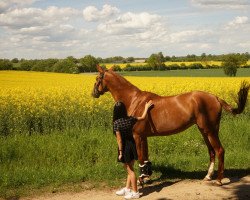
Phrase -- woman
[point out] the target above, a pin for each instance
(127, 154)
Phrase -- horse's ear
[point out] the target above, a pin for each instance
(99, 69)
(112, 68)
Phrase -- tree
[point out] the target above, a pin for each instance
(99, 60)
(73, 59)
(44, 65)
(27, 64)
(65, 66)
(173, 58)
(191, 58)
(203, 57)
(15, 60)
(130, 59)
(5, 64)
(155, 61)
(167, 58)
(88, 64)
(161, 57)
(231, 62)
(247, 55)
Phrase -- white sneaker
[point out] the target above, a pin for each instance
(132, 195)
(123, 192)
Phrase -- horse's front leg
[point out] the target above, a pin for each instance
(139, 148)
(142, 151)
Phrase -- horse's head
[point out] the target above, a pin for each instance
(100, 86)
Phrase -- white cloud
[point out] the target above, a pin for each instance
(47, 31)
(191, 36)
(91, 13)
(245, 44)
(11, 4)
(237, 22)
(30, 17)
(134, 30)
(130, 23)
(222, 4)
(200, 46)
(67, 28)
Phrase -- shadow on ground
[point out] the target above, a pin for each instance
(170, 176)
(172, 173)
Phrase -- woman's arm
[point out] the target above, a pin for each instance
(147, 106)
(119, 142)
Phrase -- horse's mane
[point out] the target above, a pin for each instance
(122, 80)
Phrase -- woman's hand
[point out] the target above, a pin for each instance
(120, 156)
(148, 105)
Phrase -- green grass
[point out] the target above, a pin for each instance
(244, 72)
(59, 158)
(56, 158)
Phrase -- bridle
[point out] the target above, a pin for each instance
(100, 82)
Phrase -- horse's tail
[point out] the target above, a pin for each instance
(241, 101)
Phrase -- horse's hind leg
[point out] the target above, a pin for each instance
(214, 147)
(209, 129)
(215, 142)
(211, 153)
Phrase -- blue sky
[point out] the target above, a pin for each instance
(59, 28)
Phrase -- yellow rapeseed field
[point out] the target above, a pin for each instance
(205, 63)
(42, 102)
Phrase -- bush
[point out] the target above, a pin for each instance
(130, 67)
(195, 66)
(183, 65)
(117, 68)
(174, 67)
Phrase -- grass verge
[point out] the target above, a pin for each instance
(80, 158)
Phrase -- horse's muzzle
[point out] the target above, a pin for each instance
(95, 93)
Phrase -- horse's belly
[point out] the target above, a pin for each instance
(170, 124)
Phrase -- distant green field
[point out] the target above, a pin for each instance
(243, 72)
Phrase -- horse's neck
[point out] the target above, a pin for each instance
(122, 90)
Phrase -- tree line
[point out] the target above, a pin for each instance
(156, 61)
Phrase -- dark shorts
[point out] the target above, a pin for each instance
(129, 152)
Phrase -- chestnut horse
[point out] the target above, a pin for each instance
(171, 114)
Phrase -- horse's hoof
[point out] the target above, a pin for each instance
(207, 178)
(140, 182)
(218, 182)
(147, 180)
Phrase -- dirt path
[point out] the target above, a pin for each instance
(233, 188)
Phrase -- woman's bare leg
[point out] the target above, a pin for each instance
(131, 180)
